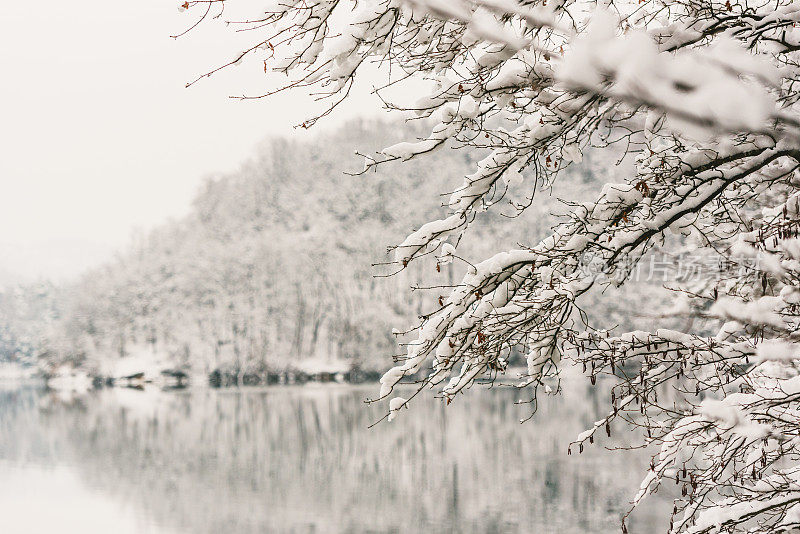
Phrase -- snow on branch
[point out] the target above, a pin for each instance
(699, 100)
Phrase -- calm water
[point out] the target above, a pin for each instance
(301, 459)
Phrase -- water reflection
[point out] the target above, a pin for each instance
(301, 459)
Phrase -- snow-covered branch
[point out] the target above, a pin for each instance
(699, 100)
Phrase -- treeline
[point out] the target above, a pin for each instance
(273, 267)
(27, 313)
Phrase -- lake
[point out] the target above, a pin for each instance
(301, 459)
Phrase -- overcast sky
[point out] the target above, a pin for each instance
(99, 135)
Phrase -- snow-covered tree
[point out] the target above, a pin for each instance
(701, 97)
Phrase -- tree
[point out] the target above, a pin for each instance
(701, 96)
(208, 292)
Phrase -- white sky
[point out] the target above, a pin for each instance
(98, 134)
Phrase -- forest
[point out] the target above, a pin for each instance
(278, 268)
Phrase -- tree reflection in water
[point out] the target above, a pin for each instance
(301, 459)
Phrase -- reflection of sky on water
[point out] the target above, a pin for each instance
(301, 459)
(37, 500)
